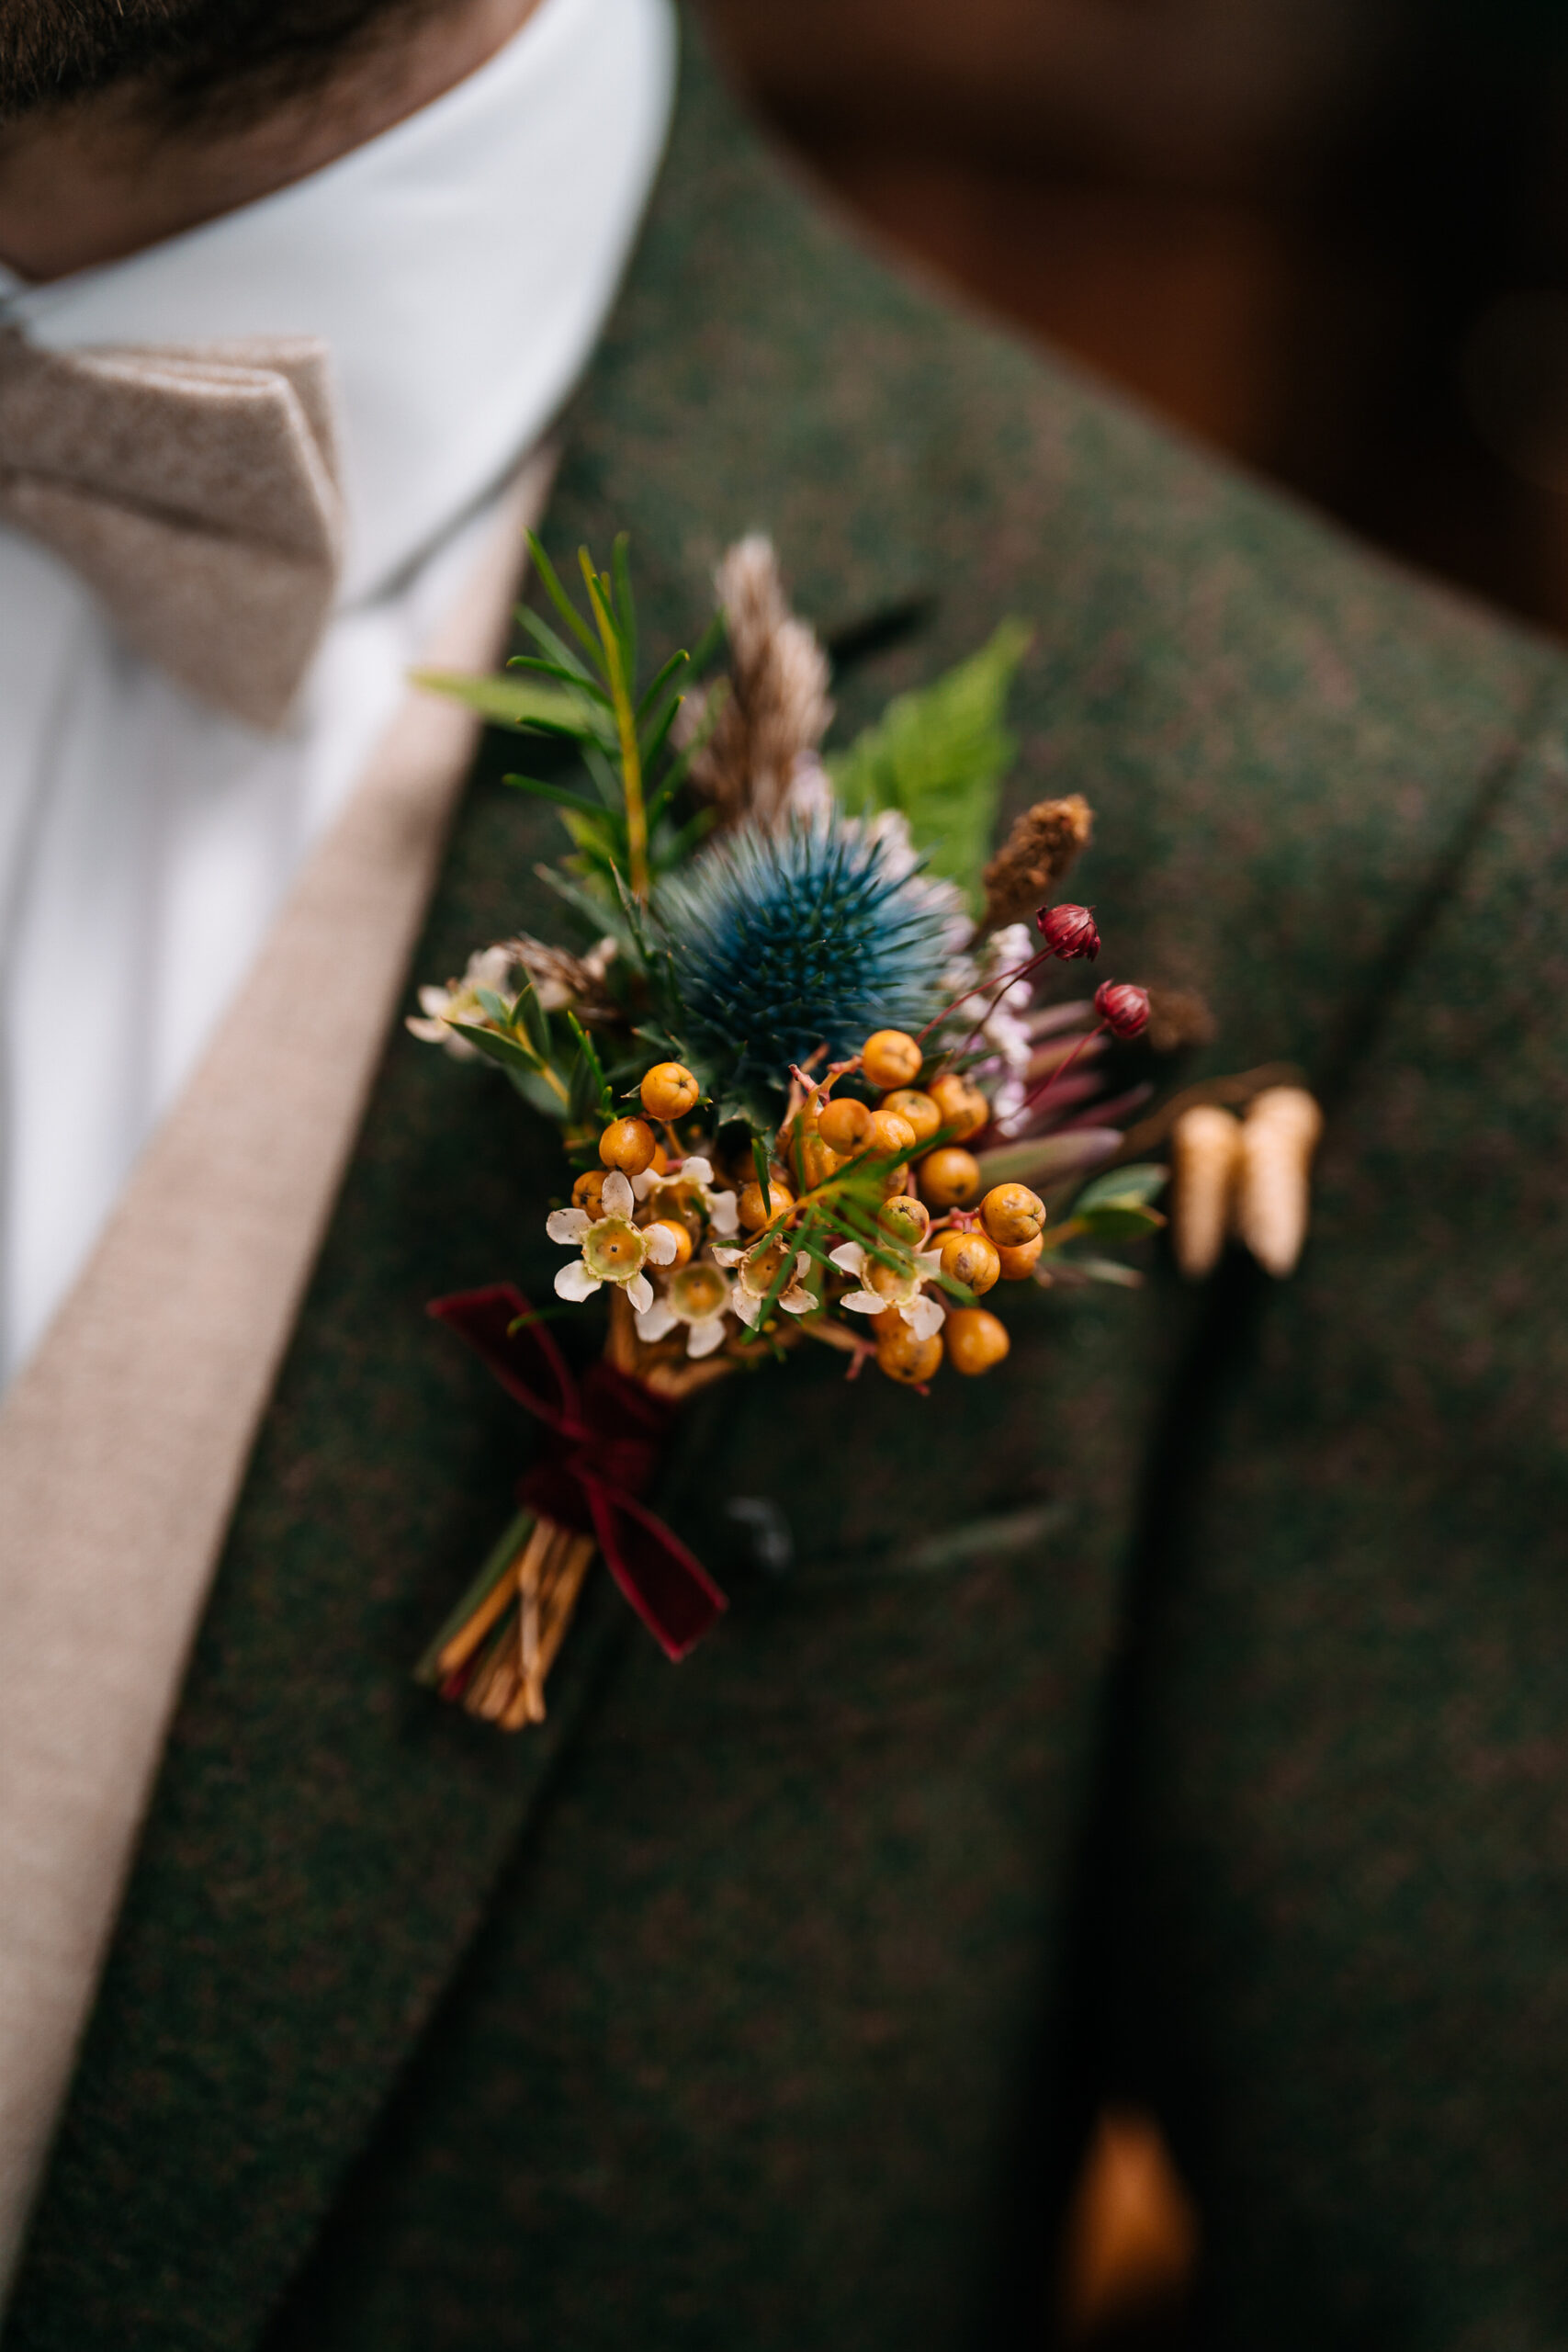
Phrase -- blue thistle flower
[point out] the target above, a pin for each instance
(816, 934)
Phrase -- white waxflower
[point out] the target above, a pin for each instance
(894, 1289)
(697, 1295)
(694, 1181)
(755, 1271)
(614, 1248)
(1005, 951)
(489, 967)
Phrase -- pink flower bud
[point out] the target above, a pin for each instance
(1123, 1008)
(1068, 932)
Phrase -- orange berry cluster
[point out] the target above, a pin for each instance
(928, 1187)
(1003, 1246)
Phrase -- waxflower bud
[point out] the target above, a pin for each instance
(844, 1126)
(907, 1102)
(976, 1340)
(756, 1212)
(1012, 1215)
(630, 1145)
(1123, 1008)
(962, 1107)
(949, 1177)
(1068, 932)
(889, 1136)
(902, 1356)
(972, 1259)
(906, 1218)
(890, 1058)
(669, 1091)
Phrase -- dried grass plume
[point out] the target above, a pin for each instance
(774, 706)
(1035, 858)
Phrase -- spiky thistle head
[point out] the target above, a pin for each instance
(813, 934)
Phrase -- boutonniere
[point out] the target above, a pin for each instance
(815, 1076)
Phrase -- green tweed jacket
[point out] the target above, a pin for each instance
(1183, 1713)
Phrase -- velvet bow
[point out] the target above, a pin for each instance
(606, 1439)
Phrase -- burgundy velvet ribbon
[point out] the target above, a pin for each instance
(606, 1437)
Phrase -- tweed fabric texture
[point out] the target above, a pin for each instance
(1351, 1834)
(760, 2041)
(195, 492)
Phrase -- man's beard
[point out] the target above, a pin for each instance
(187, 58)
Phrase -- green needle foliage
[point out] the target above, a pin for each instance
(583, 686)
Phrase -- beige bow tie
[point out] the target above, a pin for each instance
(195, 491)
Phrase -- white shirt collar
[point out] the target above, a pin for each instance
(447, 365)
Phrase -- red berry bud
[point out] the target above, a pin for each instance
(1123, 1008)
(1068, 932)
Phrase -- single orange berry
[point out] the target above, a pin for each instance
(909, 1103)
(949, 1177)
(887, 1281)
(764, 1260)
(889, 1137)
(962, 1107)
(682, 1239)
(976, 1340)
(972, 1259)
(844, 1126)
(1016, 1264)
(890, 1059)
(588, 1192)
(756, 1212)
(628, 1145)
(904, 1358)
(905, 1217)
(1011, 1214)
(669, 1091)
(814, 1162)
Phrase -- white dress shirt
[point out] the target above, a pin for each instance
(459, 266)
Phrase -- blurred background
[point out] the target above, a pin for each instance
(1329, 237)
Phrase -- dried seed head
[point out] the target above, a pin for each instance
(777, 706)
(1068, 932)
(1123, 1008)
(1035, 858)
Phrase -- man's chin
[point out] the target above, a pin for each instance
(184, 53)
